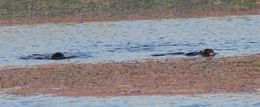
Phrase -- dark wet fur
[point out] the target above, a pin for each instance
(207, 52)
(57, 56)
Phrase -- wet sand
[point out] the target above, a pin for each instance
(136, 16)
(148, 77)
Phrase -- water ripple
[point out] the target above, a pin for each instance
(205, 100)
(130, 40)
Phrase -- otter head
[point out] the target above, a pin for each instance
(56, 56)
(208, 52)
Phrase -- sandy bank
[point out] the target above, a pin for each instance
(138, 16)
(151, 77)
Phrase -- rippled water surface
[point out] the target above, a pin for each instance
(129, 40)
(207, 100)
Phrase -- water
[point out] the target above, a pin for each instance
(129, 40)
(204, 100)
(125, 41)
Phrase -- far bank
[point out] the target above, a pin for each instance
(60, 11)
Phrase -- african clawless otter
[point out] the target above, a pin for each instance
(208, 52)
(57, 56)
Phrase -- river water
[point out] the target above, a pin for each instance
(204, 100)
(93, 42)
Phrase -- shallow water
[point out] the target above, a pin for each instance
(129, 40)
(205, 100)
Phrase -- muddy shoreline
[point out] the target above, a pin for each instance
(149, 77)
(136, 16)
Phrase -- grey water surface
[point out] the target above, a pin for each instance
(204, 100)
(94, 42)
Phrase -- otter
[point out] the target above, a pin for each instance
(57, 56)
(208, 53)
(53, 56)
(205, 53)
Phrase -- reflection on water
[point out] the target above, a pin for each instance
(206, 100)
(129, 40)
